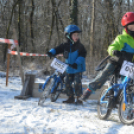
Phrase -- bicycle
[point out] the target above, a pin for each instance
(119, 95)
(53, 87)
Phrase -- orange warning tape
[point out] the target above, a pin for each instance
(28, 54)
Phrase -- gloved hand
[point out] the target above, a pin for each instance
(74, 66)
(129, 56)
(50, 54)
(117, 53)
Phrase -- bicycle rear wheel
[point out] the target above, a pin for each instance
(46, 91)
(103, 109)
(126, 112)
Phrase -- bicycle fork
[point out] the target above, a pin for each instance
(115, 89)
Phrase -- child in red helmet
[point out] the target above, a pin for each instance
(128, 22)
(123, 43)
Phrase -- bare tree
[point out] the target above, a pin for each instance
(40, 24)
(92, 29)
(73, 14)
(8, 29)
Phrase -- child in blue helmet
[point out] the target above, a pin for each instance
(74, 54)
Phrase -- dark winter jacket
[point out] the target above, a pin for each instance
(73, 53)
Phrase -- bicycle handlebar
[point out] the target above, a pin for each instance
(100, 67)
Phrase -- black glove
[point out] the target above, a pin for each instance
(129, 57)
(74, 66)
(50, 55)
(117, 53)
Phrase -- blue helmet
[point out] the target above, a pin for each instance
(71, 29)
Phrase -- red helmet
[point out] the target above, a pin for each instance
(127, 18)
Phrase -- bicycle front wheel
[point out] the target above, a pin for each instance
(46, 91)
(54, 96)
(126, 112)
(103, 109)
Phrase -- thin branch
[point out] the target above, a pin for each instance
(8, 28)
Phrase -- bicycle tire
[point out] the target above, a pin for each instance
(46, 91)
(54, 96)
(130, 116)
(108, 110)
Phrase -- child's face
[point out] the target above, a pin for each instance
(131, 27)
(75, 37)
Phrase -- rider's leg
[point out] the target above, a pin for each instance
(68, 87)
(78, 86)
(98, 82)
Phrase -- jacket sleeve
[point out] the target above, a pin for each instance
(57, 50)
(82, 55)
(117, 44)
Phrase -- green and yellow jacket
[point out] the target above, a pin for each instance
(123, 42)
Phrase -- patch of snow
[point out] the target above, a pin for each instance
(25, 116)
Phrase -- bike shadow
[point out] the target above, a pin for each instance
(87, 106)
(117, 124)
(116, 128)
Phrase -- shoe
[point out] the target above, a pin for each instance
(86, 94)
(78, 101)
(70, 100)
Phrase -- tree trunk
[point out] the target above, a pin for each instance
(110, 32)
(8, 29)
(73, 14)
(91, 46)
(92, 29)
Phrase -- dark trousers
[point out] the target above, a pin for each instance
(102, 77)
(76, 78)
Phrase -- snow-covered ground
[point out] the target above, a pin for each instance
(26, 117)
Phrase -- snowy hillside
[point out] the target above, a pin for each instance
(26, 117)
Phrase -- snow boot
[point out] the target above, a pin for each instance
(86, 94)
(70, 100)
(78, 101)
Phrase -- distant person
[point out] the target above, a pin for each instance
(123, 45)
(74, 54)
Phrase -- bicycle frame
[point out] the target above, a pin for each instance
(57, 79)
(116, 89)
(42, 86)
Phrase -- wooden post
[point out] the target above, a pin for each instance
(8, 64)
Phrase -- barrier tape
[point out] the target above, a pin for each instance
(15, 42)
(28, 54)
(9, 41)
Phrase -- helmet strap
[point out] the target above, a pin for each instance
(68, 36)
(126, 29)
